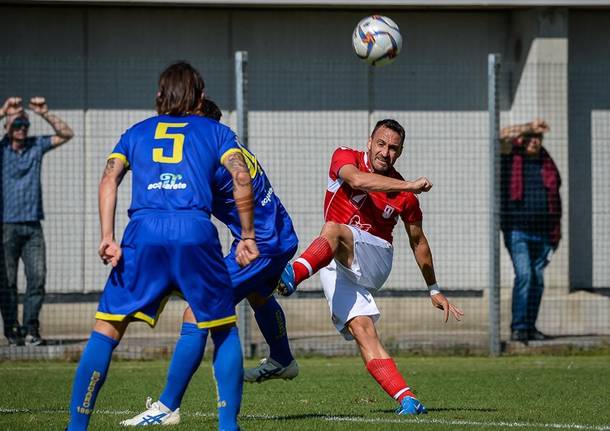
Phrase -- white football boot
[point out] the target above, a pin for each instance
(270, 369)
(156, 414)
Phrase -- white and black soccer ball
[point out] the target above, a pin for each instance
(377, 40)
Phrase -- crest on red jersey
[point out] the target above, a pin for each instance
(387, 212)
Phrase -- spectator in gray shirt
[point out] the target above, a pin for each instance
(22, 236)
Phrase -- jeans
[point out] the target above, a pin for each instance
(23, 241)
(530, 253)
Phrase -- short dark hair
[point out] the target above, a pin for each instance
(211, 110)
(392, 125)
(181, 90)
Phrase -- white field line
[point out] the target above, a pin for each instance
(420, 420)
(73, 367)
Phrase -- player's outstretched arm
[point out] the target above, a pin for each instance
(109, 250)
(371, 182)
(423, 257)
(246, 250)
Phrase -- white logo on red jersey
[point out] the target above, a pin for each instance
(387, 211)
(355, 221)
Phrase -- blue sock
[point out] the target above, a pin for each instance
(90, 375)
(272, 323)
(185, 361)
(229, 375)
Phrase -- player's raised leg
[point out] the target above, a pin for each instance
(272, 323)
(92, 371)
(335, 241)
(382, 367)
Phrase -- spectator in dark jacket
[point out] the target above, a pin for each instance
(531, 219)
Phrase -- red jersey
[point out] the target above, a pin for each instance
(373, 212)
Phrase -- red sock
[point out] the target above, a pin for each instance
(389, 378)
(317, 256)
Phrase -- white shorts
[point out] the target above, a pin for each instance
(349, 290)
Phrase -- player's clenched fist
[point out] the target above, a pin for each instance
(110, 252)
(246, 251)
(422, 184)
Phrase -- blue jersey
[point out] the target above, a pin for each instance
(174, 160)
(272, 224)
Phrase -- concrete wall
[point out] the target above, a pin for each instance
(536, 72)
(308, 94)
(589, 148)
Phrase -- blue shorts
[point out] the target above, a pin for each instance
(261, 276)
(167, 253)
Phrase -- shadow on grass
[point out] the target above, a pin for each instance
(302, 416)
(445, 409)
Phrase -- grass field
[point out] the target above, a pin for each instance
(571, 392)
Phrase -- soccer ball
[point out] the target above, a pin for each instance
(377, 40)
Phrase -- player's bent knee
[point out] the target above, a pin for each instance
(112, 329)
(188, 316)
(257, 300)
(331, 230)
(362, 327)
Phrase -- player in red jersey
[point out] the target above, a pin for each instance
(364, 200)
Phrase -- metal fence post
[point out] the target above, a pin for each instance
(493, 68)
(241, 108)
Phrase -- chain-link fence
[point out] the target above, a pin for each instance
(299, 112)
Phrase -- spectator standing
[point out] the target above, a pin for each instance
(531, 219)
(22, 212)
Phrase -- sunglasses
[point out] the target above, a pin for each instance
(20, 123)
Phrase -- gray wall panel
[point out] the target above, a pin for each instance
(308, 94)
(589, 98)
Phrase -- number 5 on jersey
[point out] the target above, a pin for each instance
(177, 143)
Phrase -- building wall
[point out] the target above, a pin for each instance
(589, 147)
(308, 94)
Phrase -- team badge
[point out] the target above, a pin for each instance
(387, 212)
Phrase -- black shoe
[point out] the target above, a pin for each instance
(536, 335)
(13, 335)
(33, 339)
(519, 335)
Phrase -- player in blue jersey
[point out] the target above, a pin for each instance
(277, 242)
(170, 244)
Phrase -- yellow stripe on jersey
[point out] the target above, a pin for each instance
(152, 321)
(217, 322)
(120, 317)
(227, 154)
(251, 162)
(120, 157)
(141, 316)
(111, 317)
